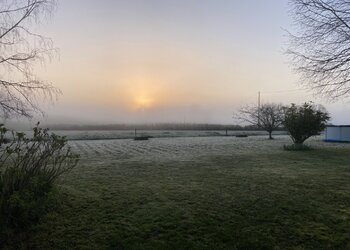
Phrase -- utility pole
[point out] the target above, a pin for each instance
(259, 108)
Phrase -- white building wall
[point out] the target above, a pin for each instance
(345, 134)
(338, 133)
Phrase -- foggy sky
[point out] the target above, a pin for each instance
(170, 61)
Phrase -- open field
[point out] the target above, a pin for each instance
(201, 193)
(129, 134)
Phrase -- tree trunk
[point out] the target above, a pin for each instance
(270, 135)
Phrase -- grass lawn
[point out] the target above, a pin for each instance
(200, 193)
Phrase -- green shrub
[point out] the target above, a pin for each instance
(29, 168)
(305, 121)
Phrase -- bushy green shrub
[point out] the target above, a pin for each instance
(29, 168)
(305, 121)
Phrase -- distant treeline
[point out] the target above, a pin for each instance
(157, 126)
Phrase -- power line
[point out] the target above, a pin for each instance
(283, 91)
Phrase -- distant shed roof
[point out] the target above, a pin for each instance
(339, 126)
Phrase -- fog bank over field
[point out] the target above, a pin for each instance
(162, 62)
(211, 113)
(93, 116)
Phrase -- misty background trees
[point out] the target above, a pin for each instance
(320, 48)
(20, 50)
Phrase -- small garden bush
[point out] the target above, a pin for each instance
(304, 121)
(29, 168)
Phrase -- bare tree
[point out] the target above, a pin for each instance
(268, 117)
(320, 49)
(20, 50)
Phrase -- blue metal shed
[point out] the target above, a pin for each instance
(338, 133)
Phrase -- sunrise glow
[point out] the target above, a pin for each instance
(143, 103)
(166, 60)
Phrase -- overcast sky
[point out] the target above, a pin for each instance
(170, 61)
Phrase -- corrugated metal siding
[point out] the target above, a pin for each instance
(338, 133)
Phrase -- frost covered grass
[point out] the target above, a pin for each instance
(200, 193)
(129, 134)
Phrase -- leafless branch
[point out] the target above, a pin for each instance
(20, 51)
(320, 49)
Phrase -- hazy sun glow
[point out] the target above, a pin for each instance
(143, 103)
(141, 93)
(160, 61)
